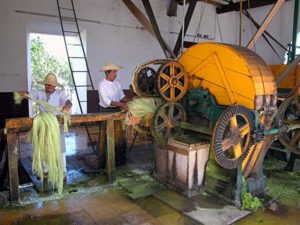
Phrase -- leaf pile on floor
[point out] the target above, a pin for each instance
(140, 186)
(250, 202)
(283, 186)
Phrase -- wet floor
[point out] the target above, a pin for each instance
(88, 199)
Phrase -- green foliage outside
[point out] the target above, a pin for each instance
(42, 63)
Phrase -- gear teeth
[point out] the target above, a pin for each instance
(219, 132)
(161, 137)
(285, 138)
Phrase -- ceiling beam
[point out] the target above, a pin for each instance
(252, 3)
(144, 21)
(172, 8)
(265, 23)
(168, 52)
(187, 20)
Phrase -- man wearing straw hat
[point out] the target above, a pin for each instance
(111, 95)
(57, 98)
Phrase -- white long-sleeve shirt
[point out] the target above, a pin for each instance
(109, 91)
(57, 98)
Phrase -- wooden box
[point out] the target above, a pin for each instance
(182, 164)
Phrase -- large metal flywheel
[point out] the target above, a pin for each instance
(231, 139)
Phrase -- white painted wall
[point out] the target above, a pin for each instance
(281, 27)
(117, 37)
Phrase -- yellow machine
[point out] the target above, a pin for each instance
(234, 75)
(226, 93)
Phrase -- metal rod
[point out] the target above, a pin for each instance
(241, 17)
(55, 16)
(295, 30)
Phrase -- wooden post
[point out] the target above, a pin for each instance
(101, 142)
(13, 166)
(110, 154)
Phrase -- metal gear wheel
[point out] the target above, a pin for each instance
(165, 119)
(289, 114)
(232, 137)
(172, 81)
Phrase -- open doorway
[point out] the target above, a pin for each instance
(48, 54)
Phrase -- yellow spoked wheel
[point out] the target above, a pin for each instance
(172, 81)
(232, 139)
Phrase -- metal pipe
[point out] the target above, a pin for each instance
(241, 17)
(295, 30)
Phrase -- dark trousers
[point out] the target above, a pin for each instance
(109, 109)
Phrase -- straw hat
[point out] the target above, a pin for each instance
(110, 66)
(51, 79)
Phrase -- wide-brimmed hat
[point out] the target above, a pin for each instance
(51, 79)
(110, 66)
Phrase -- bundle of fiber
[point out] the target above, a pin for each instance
(66, 116)
(141, 111)
(45, 137)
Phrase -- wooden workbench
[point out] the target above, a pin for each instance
(15, 125)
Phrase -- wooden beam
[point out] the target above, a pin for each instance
(144, 21)
(187, 20)
(265, 23)
(12, 152)
(172, 8)
(110, 152)
(252, 3)
(188, 44)
(155, 28)
(26, 122)
(247, 14)
(101, 142)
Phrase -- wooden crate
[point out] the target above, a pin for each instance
(182, 164)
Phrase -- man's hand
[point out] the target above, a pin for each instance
(23, 93)
(67, 106)
(124, 106)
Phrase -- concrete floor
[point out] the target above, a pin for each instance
(88, 199)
